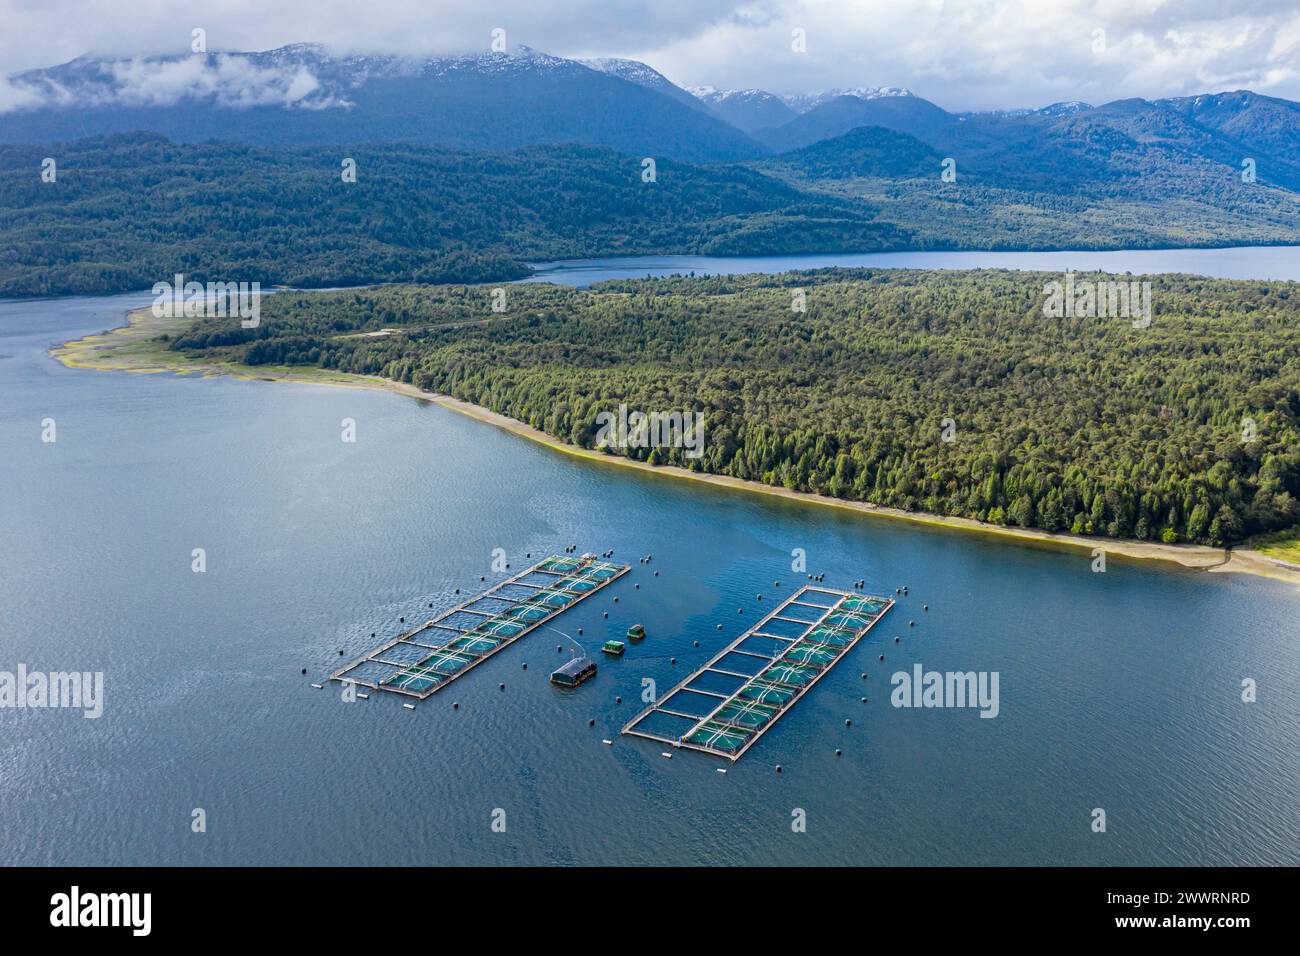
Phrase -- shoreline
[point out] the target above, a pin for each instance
(126, 348)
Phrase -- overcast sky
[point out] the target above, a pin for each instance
(963, 54)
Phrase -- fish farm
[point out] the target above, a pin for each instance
(726, 705)
(427, 658)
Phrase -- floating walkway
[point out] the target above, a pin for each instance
(427, 658)
(725, 706)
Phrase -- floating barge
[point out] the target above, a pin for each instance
(427, 658)
(726, 705)
(574, 672)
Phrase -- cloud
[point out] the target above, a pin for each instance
(228, 81)
(964, 54)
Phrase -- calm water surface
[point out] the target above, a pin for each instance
(1118, 690)
(1243, 262)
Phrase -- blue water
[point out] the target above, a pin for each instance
(1118, 690)
(1241, 262)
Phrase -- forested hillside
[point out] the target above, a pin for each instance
(125, 212)
(1186, 430)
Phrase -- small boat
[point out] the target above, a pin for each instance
(574, 672)
(613, 647)
(635, 632)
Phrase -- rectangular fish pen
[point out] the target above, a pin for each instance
(427, 658)
(726, 705)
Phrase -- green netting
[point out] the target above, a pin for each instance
(796, 674)
(560, 564)
(719, 736)
(529, 612)
(746, 713)
(500, 627)
(477, 644)
(806, 653)
(553, 598)
(765, 692)
(412, 682)
(834, 636)
(864, 604)
(855, 621)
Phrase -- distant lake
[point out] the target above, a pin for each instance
(1119, 690)
(1242, 262)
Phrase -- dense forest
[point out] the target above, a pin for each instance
(124, 212)
(127, 211)
(949, 393)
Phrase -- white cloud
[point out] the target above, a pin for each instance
(230, 81)
(964, 54)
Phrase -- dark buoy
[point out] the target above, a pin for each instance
(719, 627)
(758, 597)
(579, 630)
(502, 686)
(458, 590)
(656, 574)
(882, 657)
(740, 610)
(455, 705)
(847, 722)
(372, 633)
(618, 700)
(525, 666)
(401, 620)
(340, 653)
(672, 660)
(911, 624)
(430, 604)
(615, 600)
(607, 614)
(304, 670)
(695, 643)
(778, 768)
(895, 640)
(482, 577)
(558, 647)
(864, 676)
(591, 723)
(837, 752)
(925, 607)
(864, 700)
(637, 586)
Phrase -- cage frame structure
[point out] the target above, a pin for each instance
(419, 673)
(790, 693)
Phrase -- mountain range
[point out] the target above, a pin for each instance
(555, 149)
(302, 95)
